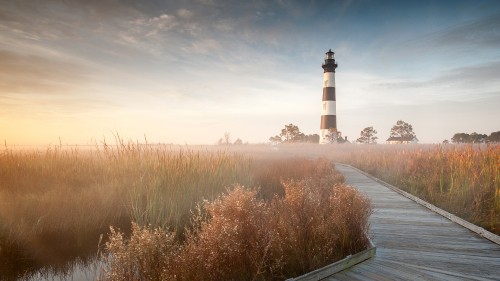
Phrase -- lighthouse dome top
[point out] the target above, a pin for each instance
(329, 54)
(330, 65)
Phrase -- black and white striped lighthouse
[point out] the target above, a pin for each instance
(328, 111)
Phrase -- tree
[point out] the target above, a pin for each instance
(313, 138)
(291, 133)
(493, 137)
(477, 138)
(275, 139)
(227, 138)
(460, 138)
(334, 136)
(402, 130)
(368, 136)
(238, 142)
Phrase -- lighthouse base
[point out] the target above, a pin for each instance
(326, 136)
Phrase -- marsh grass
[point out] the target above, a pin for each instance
(462, 179)
(54, 206)
(246, 234)
(55, 203)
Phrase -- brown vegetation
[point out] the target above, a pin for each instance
(240, 236)
(462, 179)
(56, 203)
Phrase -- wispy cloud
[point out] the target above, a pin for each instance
(452, 84)
(482, 33)
(454, 42)
(32, 74)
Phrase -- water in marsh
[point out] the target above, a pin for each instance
(77, 270)
(17, 264)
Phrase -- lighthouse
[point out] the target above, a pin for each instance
(328, 111)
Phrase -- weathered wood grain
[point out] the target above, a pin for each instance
(416, 243)
(329, 270)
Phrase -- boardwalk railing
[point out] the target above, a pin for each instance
(423, 258)
(479, 230)
(333, 268)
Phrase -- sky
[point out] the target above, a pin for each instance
(186, 72)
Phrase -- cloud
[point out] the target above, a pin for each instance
(32, 74)
(50, 20)
(184, 13)
(203, 46)
(475, 77)
(484, 33)
(163, 22)
(481, 35)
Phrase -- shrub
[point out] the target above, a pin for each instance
(235, 243)
(147, 255)
(319, 224)
(240, 236)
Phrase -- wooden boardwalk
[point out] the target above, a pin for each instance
(415, 243)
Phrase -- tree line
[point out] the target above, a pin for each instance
(494, 137)
(292, 134)
(401, 131)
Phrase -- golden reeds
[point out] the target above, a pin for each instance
(56, 203)
(462, 179)
(242, 235)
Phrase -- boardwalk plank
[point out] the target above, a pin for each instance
(415, 243)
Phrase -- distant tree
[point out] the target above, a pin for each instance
(493, 137)
(368, 136)
(313, 138)
(340, 139)
(477, 138)
(403, 130)
(460, 138)
(291, 133)
(301, 137)
(227, 138)
(238, 142)
(275, 139)
(446, 142)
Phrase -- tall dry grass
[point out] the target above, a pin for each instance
(242, 235)
(55, 203)
(462, 179)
